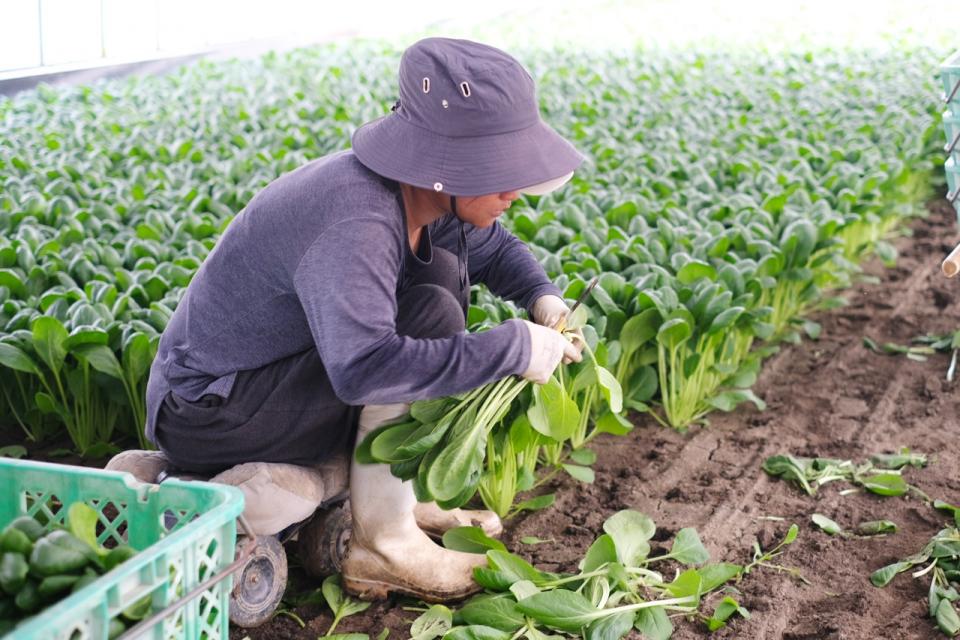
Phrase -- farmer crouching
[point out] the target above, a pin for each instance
(338, 295)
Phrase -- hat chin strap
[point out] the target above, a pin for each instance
(453, 207)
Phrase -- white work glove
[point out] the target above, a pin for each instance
(547, 348)
(548, 311)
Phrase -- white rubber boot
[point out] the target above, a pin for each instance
(388, 552)
(436, 521)
(145, 466)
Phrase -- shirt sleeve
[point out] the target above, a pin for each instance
(346, 282)
(498, 259)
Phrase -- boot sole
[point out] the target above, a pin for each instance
(371, 590)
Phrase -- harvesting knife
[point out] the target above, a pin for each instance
(583, 296)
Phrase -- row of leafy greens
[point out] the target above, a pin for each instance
(726, 195)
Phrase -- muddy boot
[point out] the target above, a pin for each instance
(276, 495)
(145, 466)
(388, 552)
(436, 521)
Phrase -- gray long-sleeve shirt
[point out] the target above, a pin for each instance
(315, 259)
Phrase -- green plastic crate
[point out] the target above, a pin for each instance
(951, 126)
(952, 167)
(185, 531)
(950, 75)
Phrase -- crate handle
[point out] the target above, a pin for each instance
(953, 93)
(146, 623)
(953, 145)
(952, 197)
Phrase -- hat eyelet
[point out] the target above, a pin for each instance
(438, 186)
(465, 89)
(426, 85)
(446, 105)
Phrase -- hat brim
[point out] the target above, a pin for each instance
(465, 166)
(546, 187)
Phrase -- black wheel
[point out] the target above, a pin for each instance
(259, 584)
(322, 542)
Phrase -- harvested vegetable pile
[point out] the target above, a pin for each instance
(39, 568)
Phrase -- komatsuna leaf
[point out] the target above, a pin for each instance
(85, 335)
(493, 579)
(723, 611)
(523, 589)
(792, 534)
(17, 359)
(611, 389)
(82, 523)
(14, 451)
(470, 540)
(341, 604)
(578, 318)
(612, 627)
(332, 592)
(450, 473)
(476, 632)
(553, 413)
(537, 503)
(638, 330)
(498, 611)
(654, 623)
(565, 610)
(688, 583)
(430, 410)
(728, 400)
(899, 460)
(137, 356)
(695, 270)
(947, 618)
(789, 468)
(48, 338)
(826, 524)
(101, 358)
(885, 484)
(715, 575)
(602, 551)
(688, 549)
(630, 531)
(883, 576)
(583, 474)
(584, 456)
(384, 446)
(876, 527)
(674, 332)
(424, 438)
(514, 567)
(362, 452)
(613, 423)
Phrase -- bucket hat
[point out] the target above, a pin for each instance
(467, 124)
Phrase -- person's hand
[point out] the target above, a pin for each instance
(547, 348)
(548, 311)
